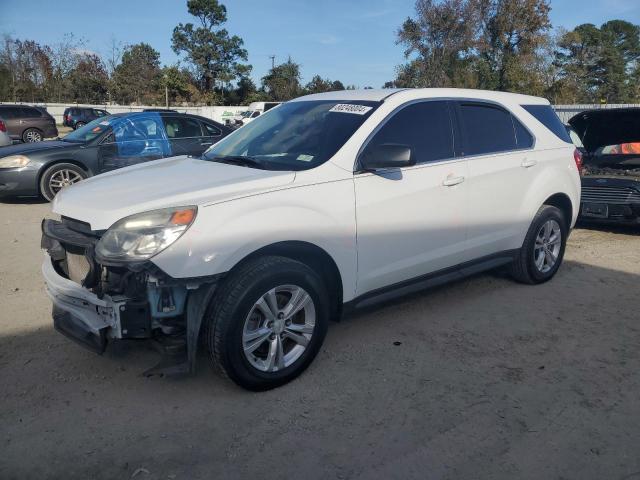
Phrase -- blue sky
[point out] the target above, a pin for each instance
(353, 41)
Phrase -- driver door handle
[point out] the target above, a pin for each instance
(528, 163)
(451, 181)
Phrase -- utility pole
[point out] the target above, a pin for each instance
(273, 61)
(166, 91)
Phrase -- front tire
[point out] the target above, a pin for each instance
(267, 322)
(543, 249)
(59, 176)
(31, 135)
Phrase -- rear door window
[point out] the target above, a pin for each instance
(210, 130)
(487, 129)
(425, 127)
(547, 116)
(29, 112)
(180, 127)
(9, 112)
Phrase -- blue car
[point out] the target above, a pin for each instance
(105, 144)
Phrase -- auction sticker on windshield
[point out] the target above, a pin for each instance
(350, 108)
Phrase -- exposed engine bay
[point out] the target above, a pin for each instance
(129, 301)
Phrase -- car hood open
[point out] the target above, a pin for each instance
(105, 199)
(604, 127)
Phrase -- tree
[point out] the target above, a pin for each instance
(599, 63)
(282, 82)
(64, 56)
(177, 82)
(493, 44)
(89, 80)
(138, 71)
(511, 33)
(442, 37)
(213, 53)
(27, 69)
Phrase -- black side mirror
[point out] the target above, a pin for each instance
(387, 155)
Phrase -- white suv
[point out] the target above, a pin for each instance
(327, 203)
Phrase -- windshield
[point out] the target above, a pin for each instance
(91, 130)
(294, 136)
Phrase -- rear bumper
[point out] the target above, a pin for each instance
(80, 314)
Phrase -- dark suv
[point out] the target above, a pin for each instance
(76, 117)
(27, 123)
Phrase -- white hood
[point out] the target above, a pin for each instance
(105, 199)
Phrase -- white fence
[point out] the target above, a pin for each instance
(217, 113)
(220, 113)
(565, 112)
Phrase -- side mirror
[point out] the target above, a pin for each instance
(387, 155)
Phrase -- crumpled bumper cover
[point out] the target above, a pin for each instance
(78, 313)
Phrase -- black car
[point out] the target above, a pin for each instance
(611, 164)
(102, 145)
(76, 117)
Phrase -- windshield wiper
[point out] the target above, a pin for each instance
(240, 160)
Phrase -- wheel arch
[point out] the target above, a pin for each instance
(48, 165)
(314, 257)
(562, 202)
(31, 128)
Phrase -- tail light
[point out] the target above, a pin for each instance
(3, 127)
(577, 157)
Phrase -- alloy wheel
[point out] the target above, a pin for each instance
(33, 136)
(62, 179)
(278, 328)
(547, 246)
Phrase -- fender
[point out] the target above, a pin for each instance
(226, 233)
(553, 178)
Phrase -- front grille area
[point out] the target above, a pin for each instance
(78, 267)
(611, 195)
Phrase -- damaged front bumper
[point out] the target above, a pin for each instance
(80, 314)
(95, 304)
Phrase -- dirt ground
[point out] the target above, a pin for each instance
(491, 379)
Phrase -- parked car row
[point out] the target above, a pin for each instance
(102, 145)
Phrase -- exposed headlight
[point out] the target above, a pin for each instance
(14, 161)
(143, 235)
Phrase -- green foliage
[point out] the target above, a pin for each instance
(88, 80)
(139, 69)
(507, 45)
(213, 53)
(282, 82)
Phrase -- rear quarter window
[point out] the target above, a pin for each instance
(547, 116)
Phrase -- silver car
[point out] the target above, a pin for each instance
(5, 139)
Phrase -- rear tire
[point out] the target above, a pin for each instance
(543, 249)
(79, 125)
(59, 176)
(31, 135)
(249, 333)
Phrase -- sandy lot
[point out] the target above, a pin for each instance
(491, 380)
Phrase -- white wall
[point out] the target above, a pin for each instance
(215, 113)
(565, 112)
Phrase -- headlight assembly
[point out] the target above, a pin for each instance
(14, 161)
(143, 235)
